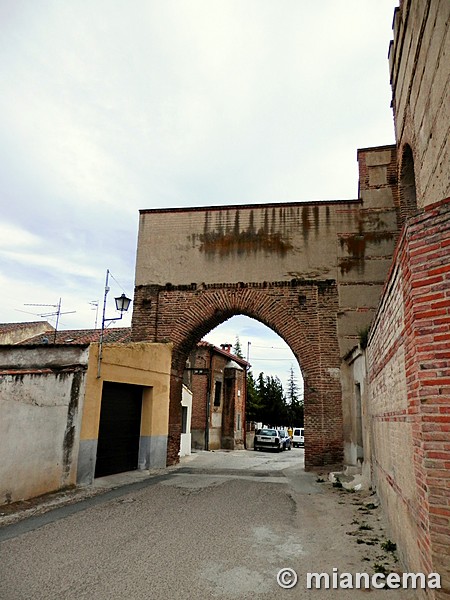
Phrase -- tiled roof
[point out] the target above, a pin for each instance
(205, 344)
(82, 336)
(88, 336)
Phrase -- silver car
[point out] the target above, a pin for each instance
(268, 439)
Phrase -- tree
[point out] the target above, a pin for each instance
(253, 403)
(274, 402)
(295, 402)
(273, 405)
(292, 394)
(237, 348)
(266, 402)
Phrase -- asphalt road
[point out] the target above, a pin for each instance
(220, 526)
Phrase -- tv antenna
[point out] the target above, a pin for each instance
(94, 305)
(55, 313)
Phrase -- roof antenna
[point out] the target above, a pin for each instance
(53, 314)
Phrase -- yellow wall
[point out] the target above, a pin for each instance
(141, 363)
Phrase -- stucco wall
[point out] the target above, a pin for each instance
(357, 435)
(41, 392)
(185, 442)
(50, 400)
(142, 364)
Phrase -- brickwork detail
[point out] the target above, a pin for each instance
(411, 421)
(303, 313)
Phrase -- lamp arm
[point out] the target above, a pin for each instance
(114, 319)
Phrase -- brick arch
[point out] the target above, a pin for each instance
(303, 313)
(214, 307)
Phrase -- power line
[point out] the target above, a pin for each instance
(274, 359)
(112, 277)
(272, 348)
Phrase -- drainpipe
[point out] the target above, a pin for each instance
(208, 400)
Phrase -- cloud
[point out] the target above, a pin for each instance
(109, 107)
(12, 236)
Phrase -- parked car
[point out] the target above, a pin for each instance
(298, 438)
(285, 439)
(268, 439)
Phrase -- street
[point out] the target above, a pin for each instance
(221, 525)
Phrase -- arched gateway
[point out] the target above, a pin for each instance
(312, 272)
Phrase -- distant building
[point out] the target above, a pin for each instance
(218, 380)
(16, 333)
(114, 335)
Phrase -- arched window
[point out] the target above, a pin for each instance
(408, 199)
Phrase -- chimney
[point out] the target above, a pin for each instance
(226, 347)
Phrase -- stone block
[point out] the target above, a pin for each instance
(375, 159)
(378, 175)
(377, 198)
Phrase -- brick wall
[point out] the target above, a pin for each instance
(303, 313)
(409, 393)
(199, 386)
(207, 365)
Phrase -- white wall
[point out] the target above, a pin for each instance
(40, 414)
(186, 401)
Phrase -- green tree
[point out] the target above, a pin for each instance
(237, 348)
(266, 402)
(295, 402)
(271, 393)
(292, 393)
(253, 405)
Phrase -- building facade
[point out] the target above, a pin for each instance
(66, 417)
(218, 382)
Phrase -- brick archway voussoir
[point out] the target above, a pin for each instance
(212, 307)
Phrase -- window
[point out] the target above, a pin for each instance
(184, 416)
(217, 393)
(238, 422)
(408, 199)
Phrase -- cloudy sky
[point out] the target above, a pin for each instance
(109, 106)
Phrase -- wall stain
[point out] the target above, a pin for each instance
(306, 223)
(356, 246)
(316, 218)
(69, 434)
(224, 241)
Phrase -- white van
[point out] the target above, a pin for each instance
(298, 438)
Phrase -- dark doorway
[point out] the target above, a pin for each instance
(119, 430)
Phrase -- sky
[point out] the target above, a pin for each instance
(108, 107)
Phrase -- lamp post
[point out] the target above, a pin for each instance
(122, 305)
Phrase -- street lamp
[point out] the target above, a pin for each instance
(122, 305)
